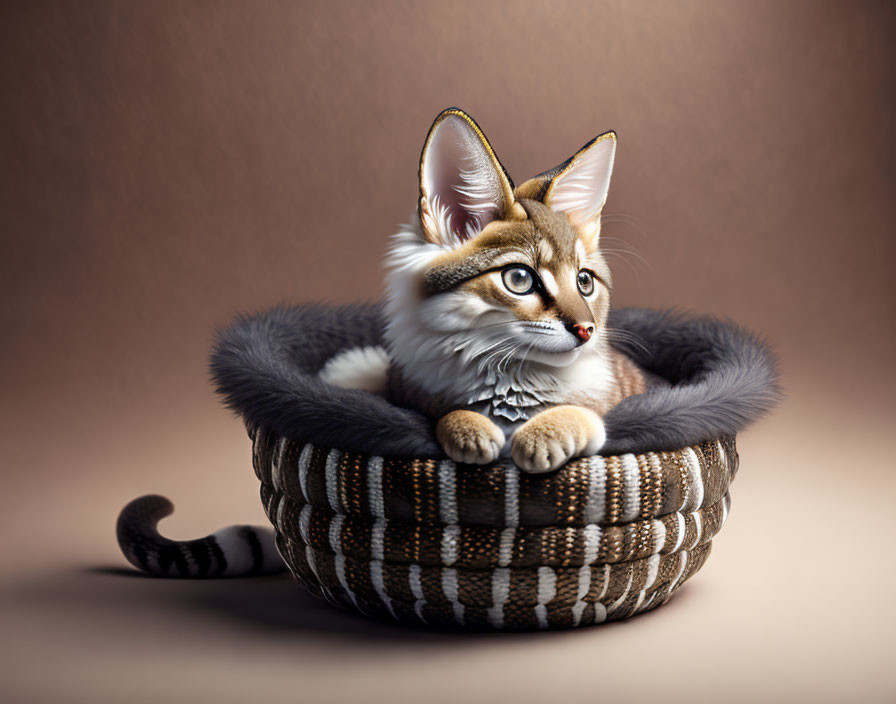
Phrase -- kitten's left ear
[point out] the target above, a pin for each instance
(579, 186)
(463, 186)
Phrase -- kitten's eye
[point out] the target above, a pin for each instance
(518, 280)
(585, 280)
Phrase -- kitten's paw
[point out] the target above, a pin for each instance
(469, 437)
(556, 435)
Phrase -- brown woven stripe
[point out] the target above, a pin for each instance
(263, 443)
(316, 478)
(353, 485)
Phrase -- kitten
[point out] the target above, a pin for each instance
(496, 307)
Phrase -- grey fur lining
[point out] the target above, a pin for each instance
(721, 378)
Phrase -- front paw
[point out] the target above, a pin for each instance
(469, 437)
(553, 437)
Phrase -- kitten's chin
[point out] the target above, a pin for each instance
(554, 359)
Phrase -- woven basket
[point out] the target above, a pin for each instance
(439, 543)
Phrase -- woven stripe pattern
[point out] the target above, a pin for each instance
(439, 543)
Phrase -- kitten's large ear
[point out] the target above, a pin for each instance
(579, 186)
(463, 186)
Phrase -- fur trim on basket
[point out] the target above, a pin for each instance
(721, 378)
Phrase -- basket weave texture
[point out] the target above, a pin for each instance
(439, 543)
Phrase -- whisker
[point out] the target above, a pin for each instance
(628, 337)
(501, 347)
(525, 355)
(508, 356)
(505, 323)
(622, 255)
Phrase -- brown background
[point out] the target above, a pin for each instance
(164, 165)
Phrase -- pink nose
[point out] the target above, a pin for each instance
(584, 332)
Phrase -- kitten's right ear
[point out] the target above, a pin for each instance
(463, 186)
(579, 186)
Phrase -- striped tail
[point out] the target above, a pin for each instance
(235, 551)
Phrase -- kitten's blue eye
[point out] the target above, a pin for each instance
(585, 280)
(518, 280)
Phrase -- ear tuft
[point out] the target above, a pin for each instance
(579, 187)
(463, 186)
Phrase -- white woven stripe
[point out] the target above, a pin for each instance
(577, 610)
(546, 591)
(447, 491)
(414, 582)
(281, 507)
(312, 563)
(304, 461)
(698, 525)
(335, 536)
(379, 585)
(653, 568)
(375, 487)
(339, 561)
(726, 503)
(500, 585)
(631, 487)
(547, 585)
(606, 582)
(417, 590)
(278, 464)
(450, 538)
(584, 582)
(330, 471)
(592, 542)
(622, 597)
(500, 594)
(305, 522)
(646, 604)
(584, 586)
(505, 549)
(723, 457)
(659, 534)
(256, 450)
(680, 533)
(694, 498)
(511, 496)
(449, 589)
(600, 613)
(418, 609)
(377, 538)
(335, 533)
(682, 563)
(597, 489)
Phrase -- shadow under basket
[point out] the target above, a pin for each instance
(429, 541)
